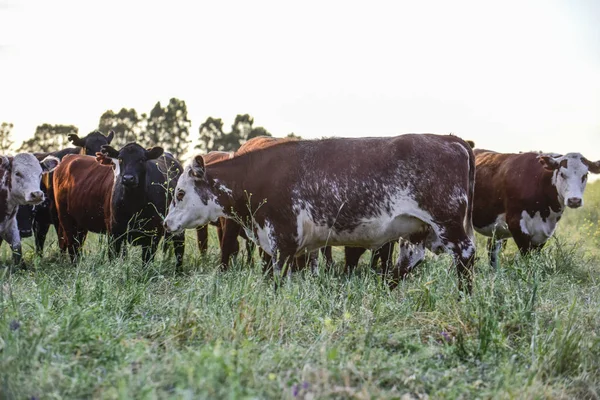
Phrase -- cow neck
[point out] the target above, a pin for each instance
(129, 198)
(225, 183)
(551, 195)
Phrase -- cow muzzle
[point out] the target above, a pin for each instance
(574, 202)
(36, 197)
(129, 181)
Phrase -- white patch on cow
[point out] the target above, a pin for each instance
(497, 229)
(405, 218)
(191, 211)
(222, 188)
(538, 229)
(266, 238)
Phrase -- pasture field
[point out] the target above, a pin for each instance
(116, 330)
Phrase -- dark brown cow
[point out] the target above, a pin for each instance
(524, 195)
(229, 230)
(303, 195)
(127, 200)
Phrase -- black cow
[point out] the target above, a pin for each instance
(37, 219)
(127, 201)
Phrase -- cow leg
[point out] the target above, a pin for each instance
(462, 248)
(494, 246)
(326, 251)
(12, 236)
(352, 255)
(40, 230)
(179, 246)
(202, 237)
(149, 249)
(230, 246)
(384, 253)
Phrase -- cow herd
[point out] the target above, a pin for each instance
(294, 197)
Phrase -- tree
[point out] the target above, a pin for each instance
(168, 127)
(126, 124)
(48, 138)
(212, 137)
(292, 135)
(5, 140)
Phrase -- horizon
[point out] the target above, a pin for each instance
(515, 77)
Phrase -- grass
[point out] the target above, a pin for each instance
(116, 330)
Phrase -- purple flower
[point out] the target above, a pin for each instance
(305, 385)
(446, 336)
(295, 390)
(14, 325)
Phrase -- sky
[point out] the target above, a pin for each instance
(511, 75)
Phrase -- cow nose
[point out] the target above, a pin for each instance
(37, 196)
(128, 180)
(574, 202)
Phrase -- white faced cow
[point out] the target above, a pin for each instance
(524, 195)
(20, 185)
(298, 196)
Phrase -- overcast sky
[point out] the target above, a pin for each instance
(511, 75)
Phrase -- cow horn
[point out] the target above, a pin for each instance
(110, 136)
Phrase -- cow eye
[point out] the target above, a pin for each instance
(562, 175)
(583, 178)
(180, 195)
(18, 175)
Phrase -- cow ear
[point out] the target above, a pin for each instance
(197, 168)
(110, 136)
(154, 153)
(74, 138)
(548, 162)
(109, 151)
(103, 159)
(4, 162)
(593, 167)
(49, 163)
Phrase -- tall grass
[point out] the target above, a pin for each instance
(117, 330)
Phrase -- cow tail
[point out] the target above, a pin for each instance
(468, 223)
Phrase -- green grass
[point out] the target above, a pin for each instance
(116, 330)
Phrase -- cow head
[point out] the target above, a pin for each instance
(569, 175)
(25, 175)
(129, 163)
(195, 202)
(92, 143)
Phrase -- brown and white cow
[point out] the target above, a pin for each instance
(303, 195)
(524, 195)
(20, 178)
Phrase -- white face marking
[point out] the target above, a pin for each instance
(497, 229)
(570, 182)
(190, 211)
(538, 229)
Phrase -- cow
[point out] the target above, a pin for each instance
(20, 185)
(524, 195)
(37, 219)
(126, 198)
(364, 192)
(229, 230)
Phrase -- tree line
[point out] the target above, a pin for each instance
(166, 126)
